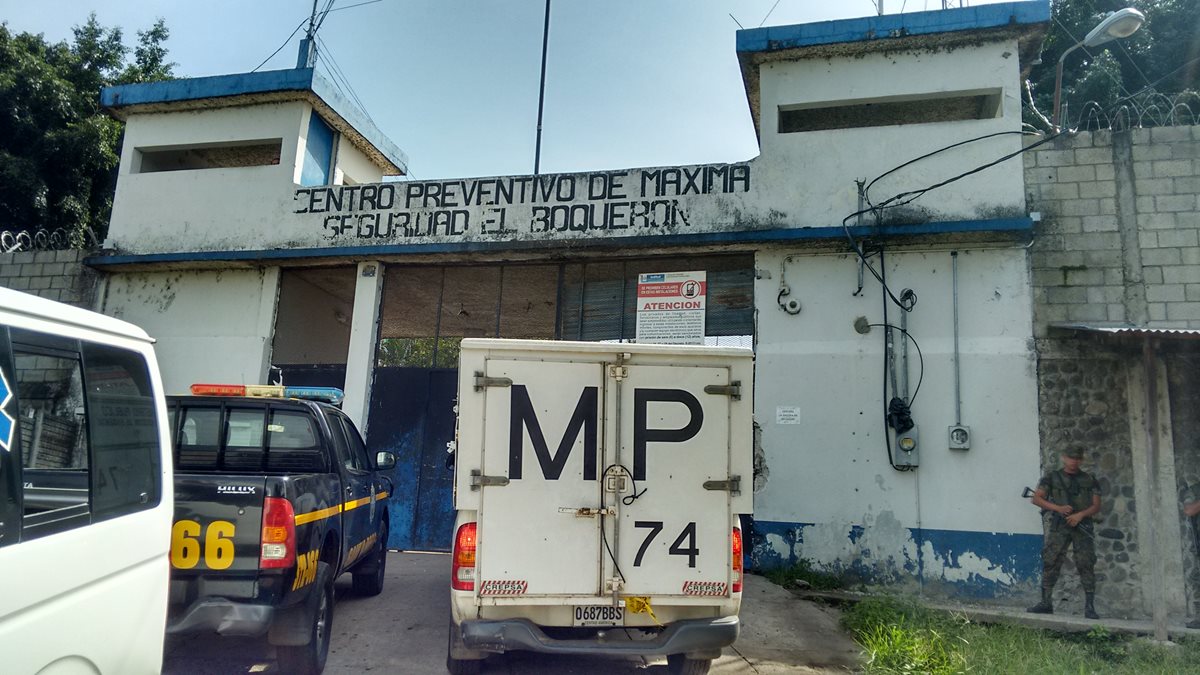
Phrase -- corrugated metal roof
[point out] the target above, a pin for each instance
(1131, 331)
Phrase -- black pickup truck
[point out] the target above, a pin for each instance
(274, 499)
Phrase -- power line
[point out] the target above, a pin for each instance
(769, 12)
(285, 42)
(345, 80)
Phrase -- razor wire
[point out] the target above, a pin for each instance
(1150, 109)
(58, 239)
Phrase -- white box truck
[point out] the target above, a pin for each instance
(598, 489)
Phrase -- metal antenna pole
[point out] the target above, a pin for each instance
(537, 153)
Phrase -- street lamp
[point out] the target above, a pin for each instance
(1119, 24)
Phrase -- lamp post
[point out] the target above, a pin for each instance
(1119, 24)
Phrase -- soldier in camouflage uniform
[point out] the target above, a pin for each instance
(1068, 497)
(1191, 511)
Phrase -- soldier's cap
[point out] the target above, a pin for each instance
(1073, 453)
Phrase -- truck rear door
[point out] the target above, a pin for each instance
(541, 464)
(673, 534)
(594, 480)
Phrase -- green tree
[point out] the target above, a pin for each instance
(58, 150)
(1162, 58)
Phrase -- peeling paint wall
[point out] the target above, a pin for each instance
(956, 523)
(209, 326)
(207, 208)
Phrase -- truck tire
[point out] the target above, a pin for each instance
(369, 582)
(679, 664)
(459, 666)
(310, 659)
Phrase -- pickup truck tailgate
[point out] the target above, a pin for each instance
(217, 530)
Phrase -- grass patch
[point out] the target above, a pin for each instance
(804, 575)
(901, 637)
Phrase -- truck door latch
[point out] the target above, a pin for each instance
(588, 512)
(618, 373)
(732, 390)
(482, 381)
(478, 480)
(734, 485)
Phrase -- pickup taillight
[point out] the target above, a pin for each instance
(462, 573)
(737, 560)
(278, 534)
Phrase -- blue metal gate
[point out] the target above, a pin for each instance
(412, 416)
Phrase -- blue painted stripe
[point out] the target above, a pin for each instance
(1008, 226)
(893, 25)
(1016, 555)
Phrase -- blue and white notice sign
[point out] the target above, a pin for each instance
(670, 308)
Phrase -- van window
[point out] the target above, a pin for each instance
(88, 432)
(123, 431)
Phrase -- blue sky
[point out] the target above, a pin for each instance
(454, 83)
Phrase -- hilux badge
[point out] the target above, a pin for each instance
(235, 489)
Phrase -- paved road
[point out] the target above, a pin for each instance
(403, 631)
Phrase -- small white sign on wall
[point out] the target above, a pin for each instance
(787, 414)
(670, 308)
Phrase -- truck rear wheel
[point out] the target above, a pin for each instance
(459, 666)
(370, 581)
(310, 659)
(679, 664)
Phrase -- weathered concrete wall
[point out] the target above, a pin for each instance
(955, 525)
(204, 208)
(210, 326)
(801, 181)
(56, 275)
(817, 169)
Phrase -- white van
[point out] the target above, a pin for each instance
(598, 489)
(85, 492)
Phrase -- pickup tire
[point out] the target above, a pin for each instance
(369, 581)
(459, 666)
(680, 664)
(310, 659)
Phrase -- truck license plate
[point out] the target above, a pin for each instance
(598, 615)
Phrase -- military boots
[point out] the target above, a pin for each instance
(1089, 607)
(1046, 606)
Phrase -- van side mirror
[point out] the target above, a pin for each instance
(384, 461)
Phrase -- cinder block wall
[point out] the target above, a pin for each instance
(1118, 241)
(57, 275)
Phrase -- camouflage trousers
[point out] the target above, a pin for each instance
(1060, 537)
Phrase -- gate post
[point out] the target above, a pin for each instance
(360, 358)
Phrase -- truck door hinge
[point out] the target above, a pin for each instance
(478, 480)
(618, 373)
(482, 381)
(732, 390)
(734, 485)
